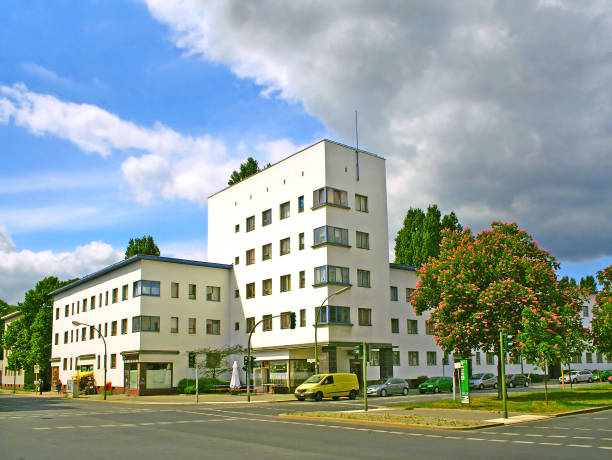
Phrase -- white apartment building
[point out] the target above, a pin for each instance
(289, 237)
(9, 378)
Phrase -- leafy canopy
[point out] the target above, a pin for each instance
(247, 169)
(481, 285)
(215, 362)
(601, 324)
(141, 246)
(419, 238)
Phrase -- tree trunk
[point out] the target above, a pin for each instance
(546, 383)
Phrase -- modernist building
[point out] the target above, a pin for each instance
(287, 239)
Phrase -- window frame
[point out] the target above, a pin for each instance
(321, 197)
(250, 290)
(266, 287)
(363, 278)
(266, 217)
(285, 246)
(285, 210)
(250, 224)
(322, 275)
(285, 283)
(359, 240)
(213, 326)
(328, 234)
(364, 316)
(359, 200)
(213, 293)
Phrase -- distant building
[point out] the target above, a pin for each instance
(9, 378)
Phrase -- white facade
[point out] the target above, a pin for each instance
(268, 227)
(8, 378)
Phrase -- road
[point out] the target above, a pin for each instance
(55, 428)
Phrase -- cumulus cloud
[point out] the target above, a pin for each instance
(159, 159)
(21, 270)
(498, 110)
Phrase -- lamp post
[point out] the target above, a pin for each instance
(77, 323)
(317, 314)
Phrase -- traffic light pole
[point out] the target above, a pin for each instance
(249, 360)
(503, 372)
(365, 381)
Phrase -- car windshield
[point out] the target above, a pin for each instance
(314, 379)
(476, 376)
(380, 382)
(432, 380)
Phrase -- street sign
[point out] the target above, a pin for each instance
(464, 384)
(36, 368)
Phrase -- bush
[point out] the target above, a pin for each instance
(205, 385)
(420, 379)
(537, 378)
(190, 390)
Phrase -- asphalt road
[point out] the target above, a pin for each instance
(54, 428)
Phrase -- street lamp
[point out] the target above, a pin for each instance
(77, 323)
(317, 314)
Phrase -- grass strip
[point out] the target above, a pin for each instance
(533, 402)
(388, 418)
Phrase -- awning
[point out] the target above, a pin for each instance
(80, 375)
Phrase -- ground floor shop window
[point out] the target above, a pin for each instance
(157, 375)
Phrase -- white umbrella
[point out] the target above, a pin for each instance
(235, 381)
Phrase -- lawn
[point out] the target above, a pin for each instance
(532, 402)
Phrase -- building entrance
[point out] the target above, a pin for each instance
(356, 367)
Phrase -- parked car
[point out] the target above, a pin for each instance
(321, 386)
(482, 381)
(577, 376)
(389, 386)
(605, 374)
(436, 384)
(515, 380)
(610, 379)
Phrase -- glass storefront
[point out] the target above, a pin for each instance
(281, 375)
(157, 375)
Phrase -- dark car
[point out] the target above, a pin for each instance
(517, 380)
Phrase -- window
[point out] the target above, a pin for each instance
(105, 299)
(250, 224)
(236, 260)
(84, 305)
(213, 327)
(285, 246)
(301, 203)
(250, 257)
(267, 322)
(57, 313)
(124, 326)
(285, 320)
(394, 326)
(301, 241)
(329, 196)
(432, 358)
(66, 337)
(145, 287)
(250, 324)
(409, 294)
(303, 317)
(266, 287)
(100, 304)
(302, 279)
(394, 293)
(174, 290)
(113, 361)
(585, 311)
(284, 210)
(56, 338)
(78, 306)
(192, 325)
(599, 356)
(213, 293)
(191, 360)
(477, 354)
(105, 329)
(124, 295)
(266, 251)
(577, 359)
(365, 316)
(361, 203)
(236, 228)
(250, 290)
(363, 240)
(363, 278)
(413, 358)
(113, 328)
(93, 302)
(429, 327)
(192, 291)
(174, 325)
(266, 217)
(490, 359)
(65, 363)
(413, 326)
(396, 358)
(145, 324)
(330, 235)
(285, 283)
(329, 274)
(236, 326)
(84, 332)
(66, 310)
(236, 293)
(115, 295)
(445, 361)
(334, 315)
(70, 363)
(375, 358)
(71, 336)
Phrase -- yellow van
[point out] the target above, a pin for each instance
(321, 386)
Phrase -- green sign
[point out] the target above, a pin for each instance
(463, 382)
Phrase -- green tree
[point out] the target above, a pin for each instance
(482, 285)
(601, 323)
(588, 283)
(419, 238)
(215, 362)
(5, 309)
(141, 246)
(247, 169)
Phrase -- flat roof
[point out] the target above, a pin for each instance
(296, 153)
(403, 267)
(136, 258)
(11, 315)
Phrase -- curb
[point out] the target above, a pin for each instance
(582, 411)
(165, 403)
(391, 424)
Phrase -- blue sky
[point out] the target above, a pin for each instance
(119, 118)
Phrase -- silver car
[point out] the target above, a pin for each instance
(577, 376)
(482, 381)
(389, 386)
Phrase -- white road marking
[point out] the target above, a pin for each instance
(511, 434)
(86, 426)
(523, 442)
(146, 423)
(583, 437)
(41, 428)
(63, 427)
(556, 436)
(475, 439)
(578, 445)
(600, 418)
(550, 443)
(107, 426)
(534, 435)
(605, 447)
(497, 440)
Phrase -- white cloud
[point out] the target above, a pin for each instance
(45, 74)
(21, 270)
(497, 108)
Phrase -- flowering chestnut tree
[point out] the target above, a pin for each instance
(601, 324)
(496, 281)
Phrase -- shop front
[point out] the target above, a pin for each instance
(148, 373)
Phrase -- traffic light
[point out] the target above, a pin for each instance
(292, 319)
(246, 360)
(359, 350)
(508, 341)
